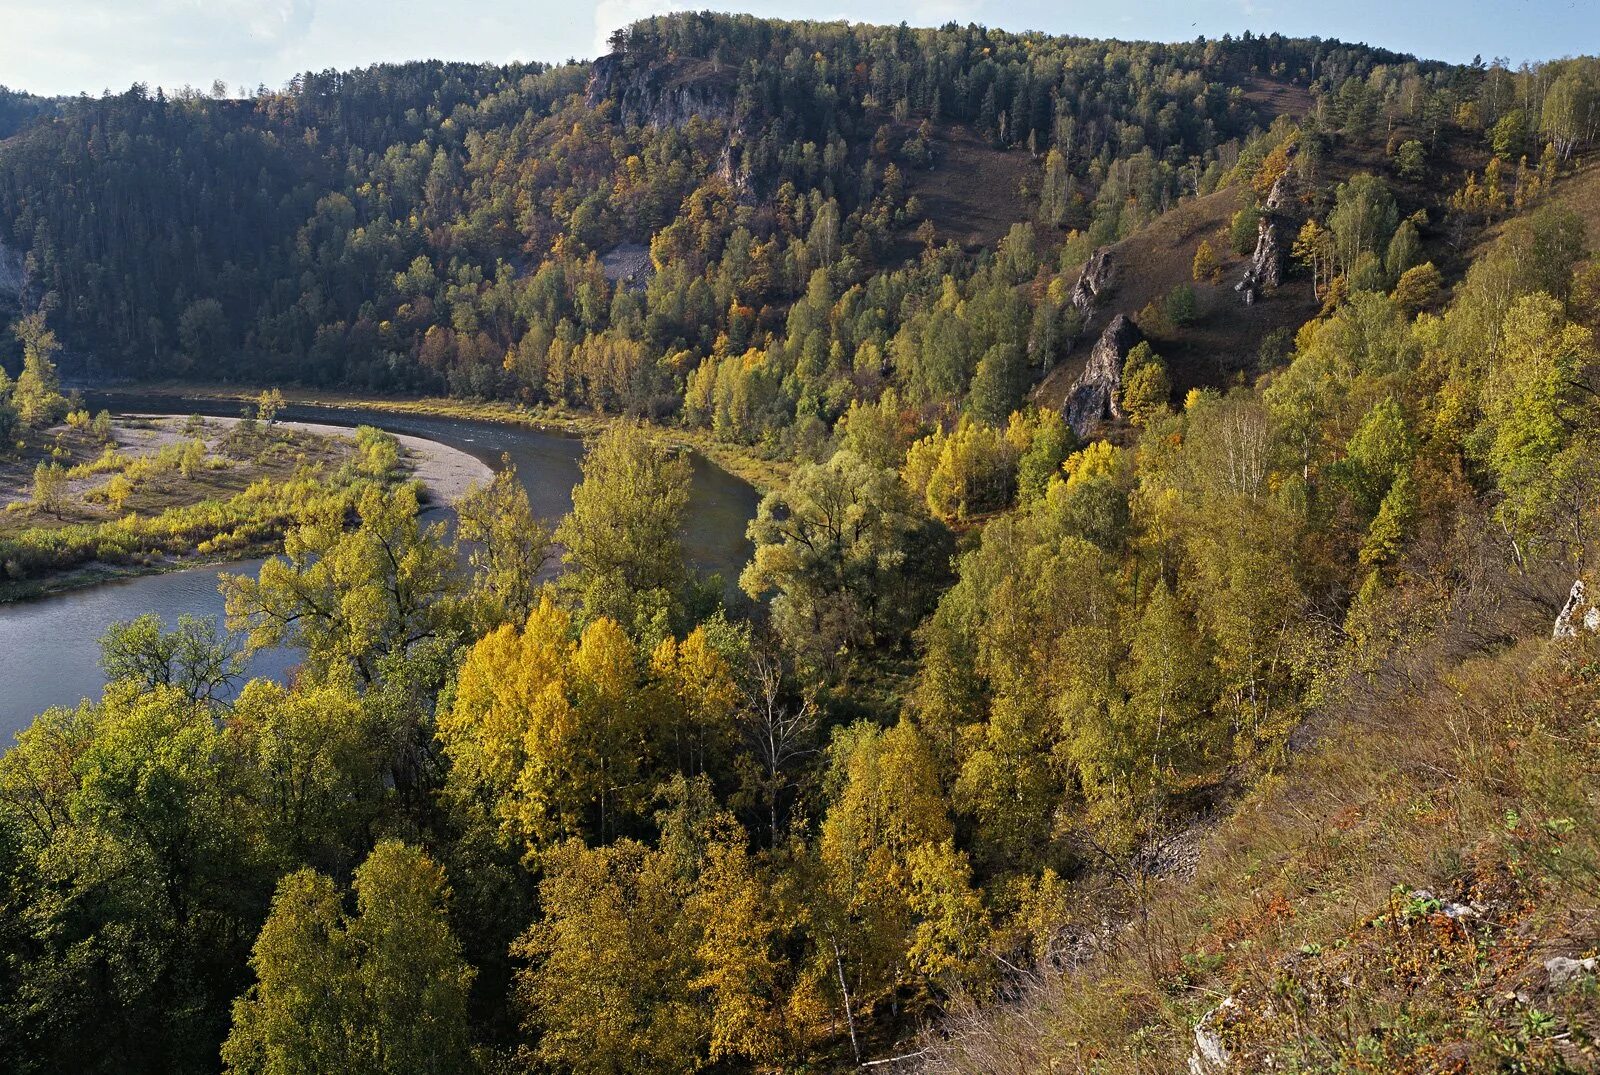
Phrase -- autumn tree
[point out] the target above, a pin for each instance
(383, 989)
(608, 986)
(508, 548)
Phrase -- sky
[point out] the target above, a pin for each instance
(72, 46)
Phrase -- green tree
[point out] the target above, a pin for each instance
(1146, 389)
(622, 541)
(377, 991)
(350, 598)
(1411, 160)
(1363, 218)
(999, 384)
(37, 393)
(509, 548)
(851, 559)
(1539, 428)
(193, 658)
(202, 333)
(1242, 229)
(1055, 190)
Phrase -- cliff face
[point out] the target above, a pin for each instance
(661, 95)
(1094, 396)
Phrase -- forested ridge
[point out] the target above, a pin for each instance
(1147, 660)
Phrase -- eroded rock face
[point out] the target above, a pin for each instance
(1094, 396)
(1094, 282)
(658, 95)
(1579, 611)
(1271, 254)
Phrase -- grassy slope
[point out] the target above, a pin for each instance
(1223, 344)
(1226, 337)
(1322, 907)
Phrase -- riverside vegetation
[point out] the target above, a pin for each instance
(1218, 728)
(86, 496)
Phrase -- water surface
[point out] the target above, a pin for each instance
(49, 653)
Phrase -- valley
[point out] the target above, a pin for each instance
(807, 546)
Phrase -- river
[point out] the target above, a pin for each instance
(49, 653)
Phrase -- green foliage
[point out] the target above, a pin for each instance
(192, 658)
(351, 598)
(851, 559)
(1411, 160)
(510, 549)
(622, 542)
(1242, 229)
(679, 847)
(37, 393)
(380, 990)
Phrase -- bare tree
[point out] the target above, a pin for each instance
(778, 732)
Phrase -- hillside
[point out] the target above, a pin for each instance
(1168, 638)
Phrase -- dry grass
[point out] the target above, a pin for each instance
(224, 475)
(973, 192)
(1474, 781)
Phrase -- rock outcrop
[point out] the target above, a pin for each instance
(1209, 1055)
(1265, 269)
(1579, 611)
(1564, 970)
(1095, 395)
(1093, 282)
(660, 95)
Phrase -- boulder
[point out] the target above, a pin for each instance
(1563, 970)
(1095, 396)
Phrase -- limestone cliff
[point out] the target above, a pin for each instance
(661, 94)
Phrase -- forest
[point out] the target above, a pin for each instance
(1216, 724)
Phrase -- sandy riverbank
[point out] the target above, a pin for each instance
(445, 472)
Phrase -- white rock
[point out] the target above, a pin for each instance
(1562, 970)
(1210, 1055)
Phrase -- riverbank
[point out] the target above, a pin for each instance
(169, 491)
(445, 473)
(762, 473)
